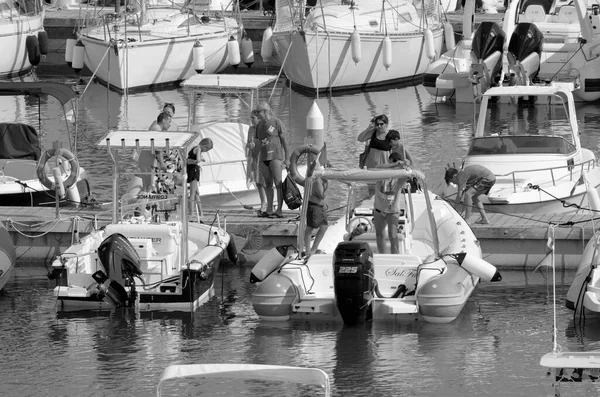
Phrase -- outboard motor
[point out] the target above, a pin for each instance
(488, 43)
(524, 51)
(121, 262)
(353, 280)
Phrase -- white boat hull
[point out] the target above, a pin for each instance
(8, 256)
(154, 60)
(13, 35)
(320, 61)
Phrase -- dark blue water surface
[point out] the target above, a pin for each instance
(493, 348)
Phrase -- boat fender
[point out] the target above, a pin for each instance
(33, 50)
(233, 52)
(247, 51)
(266, 46)
(592, 196)
(69, 46)
(274, 258)
(429, 44)
(78, 55)
(43, 40)
(293, 169)
(68, 156)
(387, 52)
(232, 252)
(60, 188)
(198, 57)
(449, 36)
(355, 45)
(477, 266)
(8, 252)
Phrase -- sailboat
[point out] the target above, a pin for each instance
(157, 45)
(23, 39)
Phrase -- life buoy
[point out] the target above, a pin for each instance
(306, 149)
(68, 156)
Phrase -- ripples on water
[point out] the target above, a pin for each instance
(493, 348)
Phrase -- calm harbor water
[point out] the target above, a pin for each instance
(493, 348)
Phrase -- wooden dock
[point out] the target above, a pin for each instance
(509, 241)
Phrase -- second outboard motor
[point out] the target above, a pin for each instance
(353, 280)
(526, 47)
(121, 262)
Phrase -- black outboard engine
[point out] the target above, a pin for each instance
(526, 40)
(353, 280)
(121, 262)
(488, 38)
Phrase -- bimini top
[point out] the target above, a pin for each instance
(60, 91)
(228, 82)
(144, 139)
(519, 90)
(362, 175)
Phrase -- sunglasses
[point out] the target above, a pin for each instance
(380, 124)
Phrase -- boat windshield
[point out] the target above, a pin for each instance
(524, 129)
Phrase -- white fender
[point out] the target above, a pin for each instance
(247, 51)
(449, 36)
(233, 52)
(583, 270)
(78, 54)
(387, 52)
(479, 267)
(429, 44)
(274, 258)
(266, 47)
(69, 51)
(198, 57)
(592, 195)
(355, 45)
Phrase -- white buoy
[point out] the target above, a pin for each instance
(233, 52)
(247, 51)
(479, 267)
(429, 44)
(78, 54)
(58, 182)
(314, 129)
(266, 47)
(274, 258)
(387, 52)
(592, 195)
(355, 45)
(449, 36)
(69, 51)
(198, 57)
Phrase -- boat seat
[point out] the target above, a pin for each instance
(535, 13)
(567, 14)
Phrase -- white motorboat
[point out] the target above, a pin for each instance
(339, 45)
(8, 256)
(532, 145)
(149, 257)
(306, 377)
(157, 45)
(583, 296)
(23, 39)
(570, 48)
(437, 269)
(26, 175)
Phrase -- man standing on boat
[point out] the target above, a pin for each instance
(147, 159)
(473, 181)
(273, 156)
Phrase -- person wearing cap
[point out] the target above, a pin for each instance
(472, 181)
(387, 205)
(316, 212)
(274, 155)
(193, 172)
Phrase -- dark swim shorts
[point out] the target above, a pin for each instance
(315, 215)
(483, 186)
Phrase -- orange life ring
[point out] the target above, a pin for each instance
(67, 155)
(294, 173)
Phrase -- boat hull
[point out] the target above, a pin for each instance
(320, 61)
(154, 62)
(13, 35)
(8, 256)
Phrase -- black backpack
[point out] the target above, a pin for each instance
(291, 193)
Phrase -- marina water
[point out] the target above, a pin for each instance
(493, 348)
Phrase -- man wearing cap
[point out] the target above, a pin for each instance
(473, 181)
